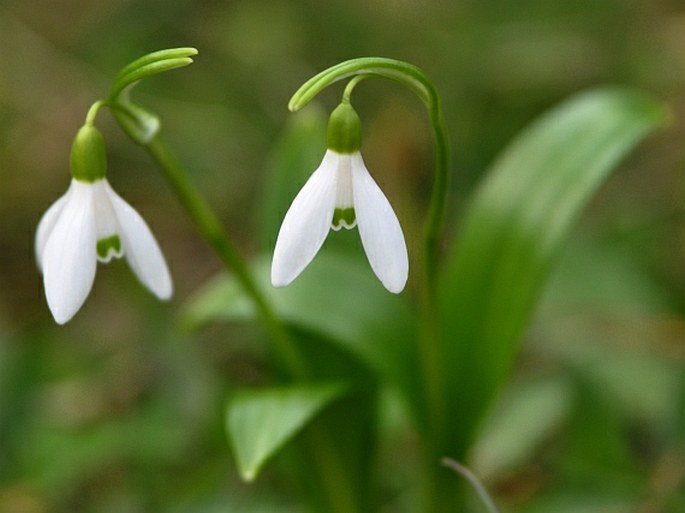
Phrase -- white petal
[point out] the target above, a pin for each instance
(46, 224)
(306, 224)
(69, 257)
(140, 248)
(379, 229)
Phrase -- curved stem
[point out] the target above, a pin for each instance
(415, 80)
(347, 93)
(474, 482)
(211, 229)
(93, 111)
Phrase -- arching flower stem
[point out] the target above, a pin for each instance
(416, 81)
(92, 112)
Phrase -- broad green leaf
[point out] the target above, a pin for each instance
(512, 232)
(260, 422)
(337, 297)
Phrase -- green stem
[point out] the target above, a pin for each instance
(338, 490)
(93, 111)
(211, 229)
(414, 79)
(347, 93)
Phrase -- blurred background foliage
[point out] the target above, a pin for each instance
(121, 410)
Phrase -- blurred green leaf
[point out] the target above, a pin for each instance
(509, 437)
(513, 230)
(643, 385)
(58, 459)
(598, 273)
(336, 297)
(260, 422)
(597, 444)
(297, 154)
(582, 501)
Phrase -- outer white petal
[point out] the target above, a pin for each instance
(306, 224)
(46, 224)
(379, 229)
(69, 257)
(141, 248)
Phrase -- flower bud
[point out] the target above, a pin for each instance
(88, 158)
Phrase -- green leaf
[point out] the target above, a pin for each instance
(509, 438)
(337, 297)
(260, 422)
(597, 445)
(512, 233)
(297, 154)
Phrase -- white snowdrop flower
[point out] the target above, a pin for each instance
(341, 193)
(92, 223)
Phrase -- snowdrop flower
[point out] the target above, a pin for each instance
(91, 223)
(341, 193)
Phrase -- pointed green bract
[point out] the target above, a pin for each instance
(513, 230)
(149, 65)
(159, 55)
(140, 124)
(260, 422)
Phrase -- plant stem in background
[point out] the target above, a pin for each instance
(212, 230)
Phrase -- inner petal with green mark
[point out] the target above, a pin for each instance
(108, 248)
(344, 217)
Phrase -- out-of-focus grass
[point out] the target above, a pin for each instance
(118, 412)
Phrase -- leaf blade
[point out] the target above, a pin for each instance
(338, 297)
(512, 232)
(260, 422)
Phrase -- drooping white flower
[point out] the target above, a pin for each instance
(92, 223)
(341, 193)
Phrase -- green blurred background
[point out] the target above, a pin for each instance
(120, 410)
